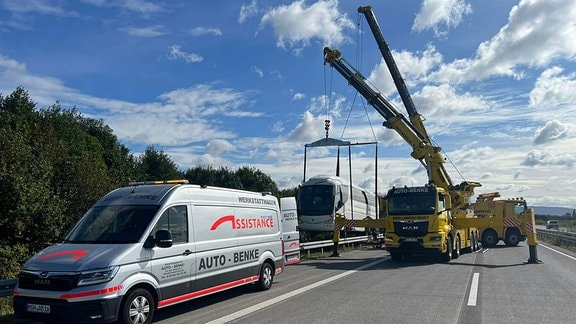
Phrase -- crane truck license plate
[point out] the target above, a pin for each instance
(411, 239)
(35, 308)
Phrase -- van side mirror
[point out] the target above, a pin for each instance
(149, 243)
(163, 238)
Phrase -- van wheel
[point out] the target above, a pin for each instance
(138, 307)
(266, 276)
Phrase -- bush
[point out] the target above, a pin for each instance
(11, 259)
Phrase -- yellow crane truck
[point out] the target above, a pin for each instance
(437, 217)
(501, 219)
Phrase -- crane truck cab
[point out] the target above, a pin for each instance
(152, 245)
(419, 220)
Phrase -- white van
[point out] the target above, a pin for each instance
(152, 245)
(290, 229)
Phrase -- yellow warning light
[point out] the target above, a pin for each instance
(159, 182)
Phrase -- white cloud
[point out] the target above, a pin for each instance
(537, 33)
(308, 130)
(201, 31)
(435, 13)
(444, 102)
(143, 7)
(298, 96)
(247, 11)
(295, 25)
(258, 71)
(412, 67)
(552, 131)
(547, 158)
(216, 147)
(176, 53)
(553, 89)
(145, 32)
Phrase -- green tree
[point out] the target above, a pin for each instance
(30, 213)
(120, 163)
(255, 180)
(54, 164)
(157, 165)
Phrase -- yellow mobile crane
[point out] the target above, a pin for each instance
(438, 217)
(418, 219)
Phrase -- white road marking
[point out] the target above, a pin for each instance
(562, 253)
(291, 294)
(473, 290)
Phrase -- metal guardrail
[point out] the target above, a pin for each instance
(558, 237)
(7, 287)
(321, 245)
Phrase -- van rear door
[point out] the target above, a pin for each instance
(291, 236)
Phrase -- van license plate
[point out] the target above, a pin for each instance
(35, 308)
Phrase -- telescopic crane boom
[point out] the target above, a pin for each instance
(415, 118)
(422, 149)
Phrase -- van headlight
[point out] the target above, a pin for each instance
(97, 276)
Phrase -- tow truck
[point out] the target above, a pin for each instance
(438, 217)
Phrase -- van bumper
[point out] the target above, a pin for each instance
(62, 311)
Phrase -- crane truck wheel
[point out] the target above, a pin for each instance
(512, 237)
(447, 256)
(489, 238)
(457, 248)
(478, 243)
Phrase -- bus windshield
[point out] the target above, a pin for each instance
(316, 200)
(112, 224)
(412, 203)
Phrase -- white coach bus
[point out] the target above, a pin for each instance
(322, 197)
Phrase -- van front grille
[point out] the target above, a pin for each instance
(54, 281)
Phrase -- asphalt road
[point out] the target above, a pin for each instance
(366, 286)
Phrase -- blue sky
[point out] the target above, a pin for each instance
(235, 83)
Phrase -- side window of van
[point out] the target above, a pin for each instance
(175, 219)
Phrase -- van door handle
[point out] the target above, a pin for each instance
(187, 252)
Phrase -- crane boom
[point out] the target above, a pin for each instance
(415, 118)
(422, 149)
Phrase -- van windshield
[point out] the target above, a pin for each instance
(112, 224)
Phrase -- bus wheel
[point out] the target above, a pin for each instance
(138, 307)
(266, 276)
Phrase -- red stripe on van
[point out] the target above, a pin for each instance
(223, 219)
(77, 254)
(104, 291)
(206, 291)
